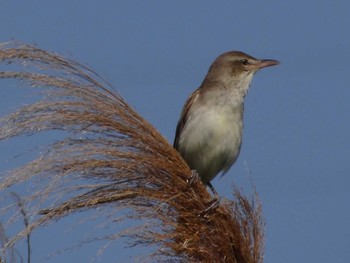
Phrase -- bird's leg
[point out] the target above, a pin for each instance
(216, 199)
(214, 202)
(212, 189)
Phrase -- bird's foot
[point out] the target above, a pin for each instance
(194, 177)
(214, 202)
(211, 205)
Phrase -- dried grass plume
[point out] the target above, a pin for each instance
(111, 157)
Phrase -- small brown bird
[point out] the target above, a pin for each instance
(209, 132)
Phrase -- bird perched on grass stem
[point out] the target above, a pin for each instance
(209, 132)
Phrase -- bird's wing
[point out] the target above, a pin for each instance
(184, 116)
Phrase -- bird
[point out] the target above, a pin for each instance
(209, 132)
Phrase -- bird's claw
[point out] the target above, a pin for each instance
(211, 205)
(194, 177)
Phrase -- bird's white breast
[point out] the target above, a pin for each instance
(211, 138)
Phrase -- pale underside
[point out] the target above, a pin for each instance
(211, 139)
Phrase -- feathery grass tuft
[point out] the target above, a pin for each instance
(112, 157)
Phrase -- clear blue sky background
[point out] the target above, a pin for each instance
(296, 144)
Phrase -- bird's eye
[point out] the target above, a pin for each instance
(244, 61)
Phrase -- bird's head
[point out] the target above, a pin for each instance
(235, 67)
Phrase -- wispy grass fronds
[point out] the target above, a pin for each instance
(112, 157)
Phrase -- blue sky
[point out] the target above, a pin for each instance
(155, 53)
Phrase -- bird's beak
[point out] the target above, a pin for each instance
(265, 63)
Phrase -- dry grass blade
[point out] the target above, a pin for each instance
(112, 157)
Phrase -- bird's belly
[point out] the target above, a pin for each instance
(211, 142)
